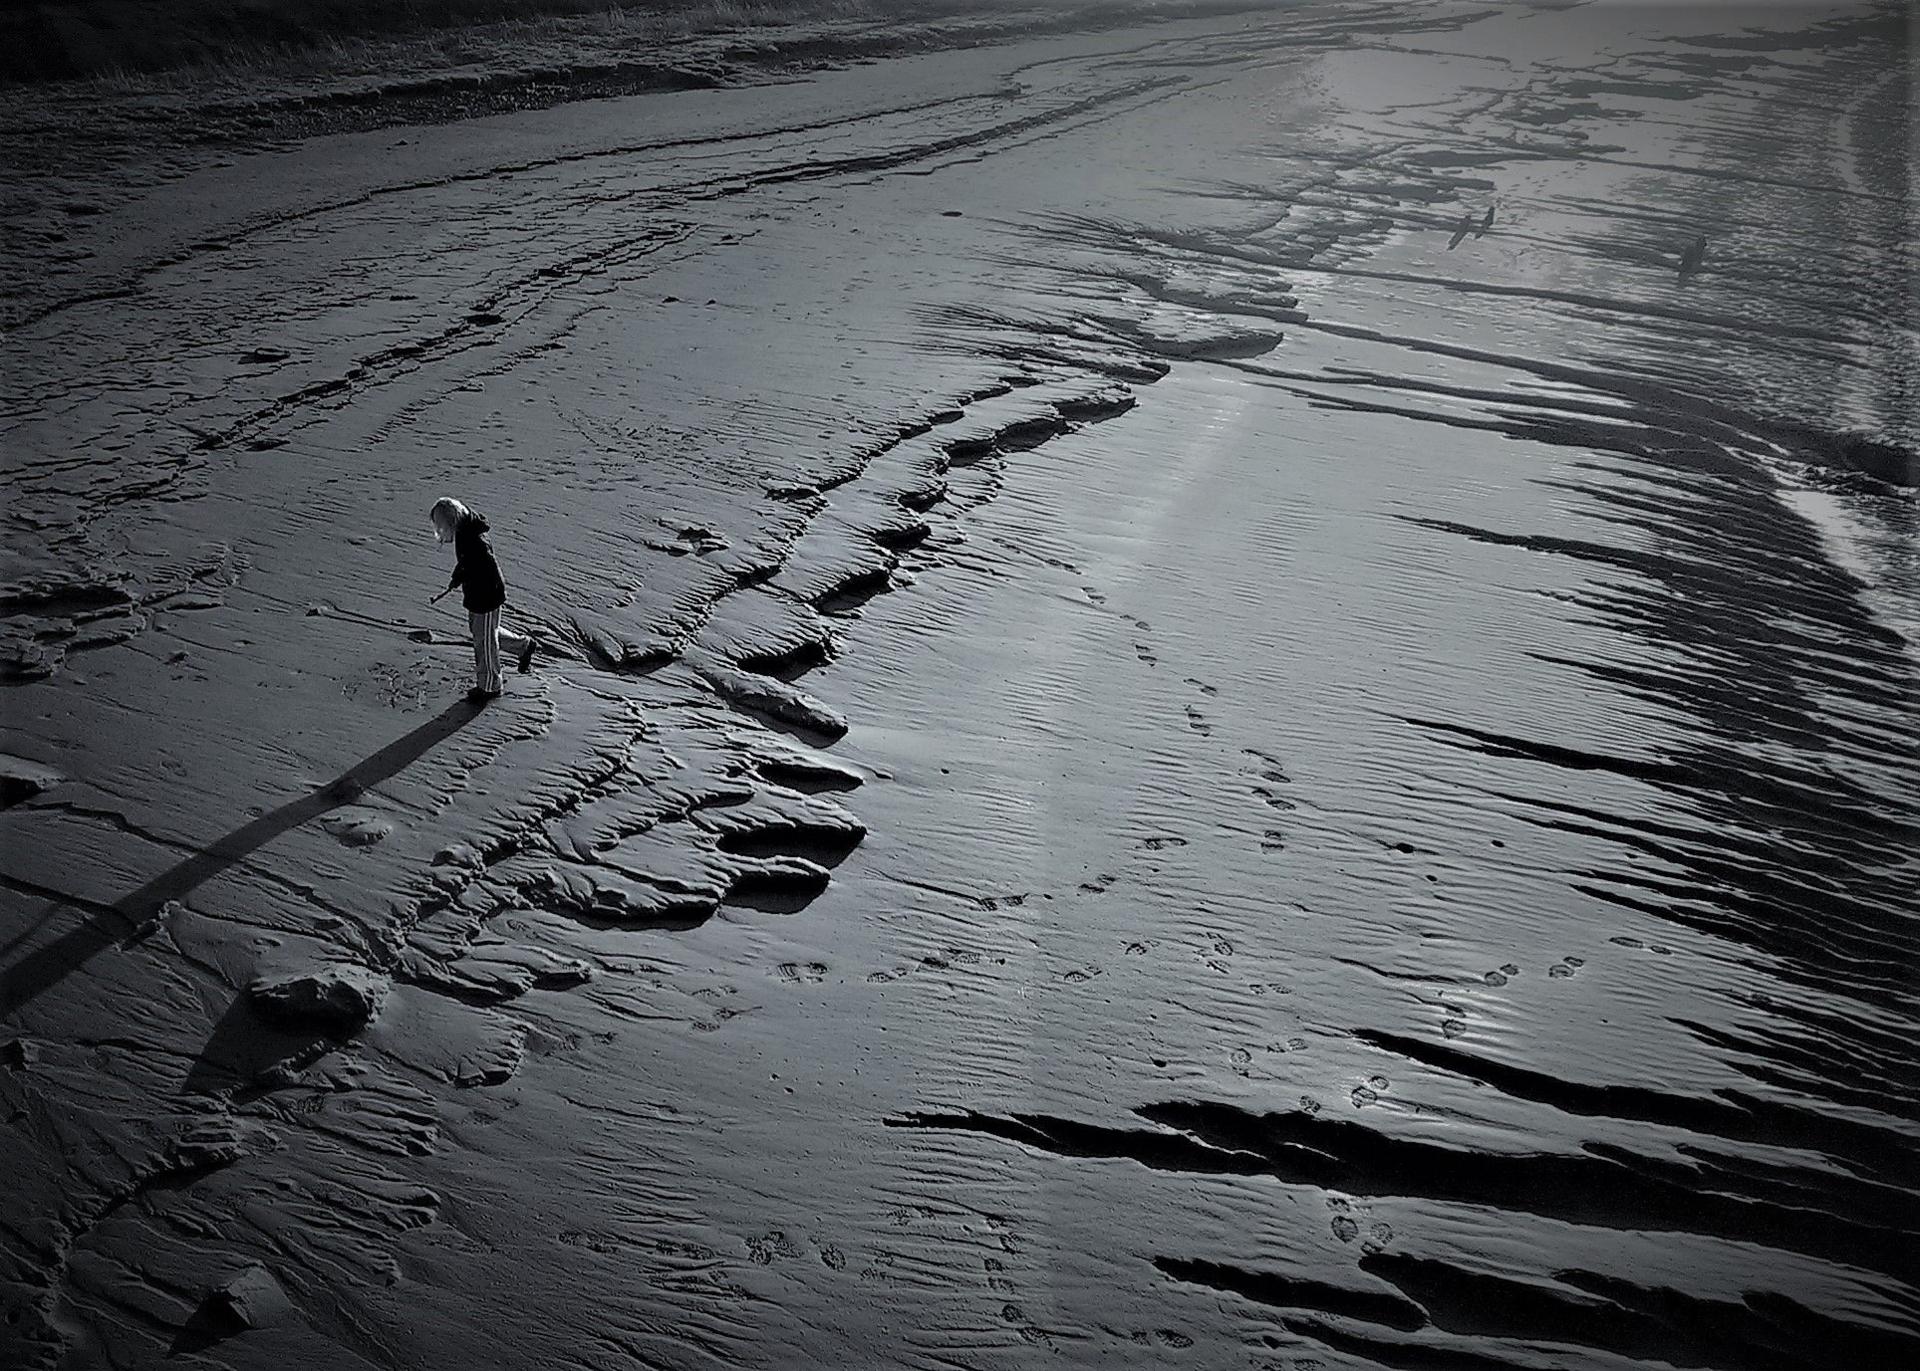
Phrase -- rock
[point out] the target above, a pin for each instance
(22, 659)
(493, 1062)
(1101, 402)
(357, 827)
(807, 771)
(464, 855)
(214, 1142)
(773, 698)
(339, 997)
(252, 1298)
(119, 630)
(21, 779)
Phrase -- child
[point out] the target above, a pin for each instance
(485, 592)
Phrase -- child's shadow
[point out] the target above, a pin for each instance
(45, 968)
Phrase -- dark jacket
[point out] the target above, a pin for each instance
(475, 568)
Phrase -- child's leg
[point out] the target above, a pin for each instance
(486, 651)
(512, 641)
(517, 646)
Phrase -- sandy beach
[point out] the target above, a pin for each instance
(1232, 690)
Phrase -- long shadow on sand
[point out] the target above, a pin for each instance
(46, 967)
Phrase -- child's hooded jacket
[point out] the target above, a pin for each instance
(474, 566)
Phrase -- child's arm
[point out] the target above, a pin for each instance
(459, 575)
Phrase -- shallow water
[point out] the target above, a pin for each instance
(1367, 779)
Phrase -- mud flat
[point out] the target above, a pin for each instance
(1162, 742)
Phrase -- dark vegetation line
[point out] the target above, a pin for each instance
(56, 40)
(51, 40)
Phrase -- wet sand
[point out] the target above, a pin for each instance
(1160, 745)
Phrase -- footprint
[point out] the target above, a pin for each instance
(833, 1257)
(1010, 1242)
(1202, 686)
(1173, 1338)
(765, 1250)
(1081, 974)
(1273, 840)
(1098, 885)
(717, 1022)
(1198, 722)
(1140, 651)
(1345, 1228)
(1499, 978)
(801, 973)
(1272, 770)
(592, 1242)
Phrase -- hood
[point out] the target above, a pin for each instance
(477, 523)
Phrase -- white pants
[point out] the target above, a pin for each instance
(487, 638)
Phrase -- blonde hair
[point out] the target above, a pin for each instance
(445, 516)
